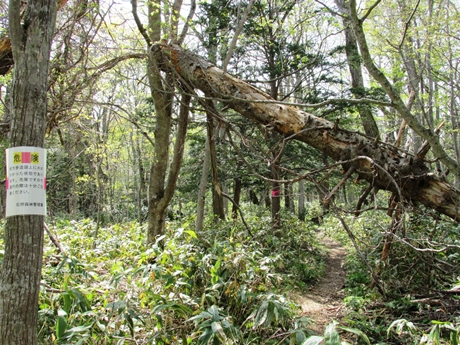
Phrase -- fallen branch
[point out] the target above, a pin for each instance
(328, 198)
(53, 239)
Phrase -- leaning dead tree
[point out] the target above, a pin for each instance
(382, 165)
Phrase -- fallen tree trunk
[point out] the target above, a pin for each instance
(382, 165)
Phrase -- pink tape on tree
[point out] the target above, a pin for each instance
(276, 193)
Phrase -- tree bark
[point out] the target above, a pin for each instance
(21, 270)
(161, 187)
(162, 183)
(276, 194)
(301, 211)
(212, 133)
(202, 188)
(381, 164)
(162, 94)
(236, 196)
(357, 80)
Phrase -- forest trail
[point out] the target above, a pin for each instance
(323, 302)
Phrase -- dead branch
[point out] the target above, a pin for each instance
(328, 198)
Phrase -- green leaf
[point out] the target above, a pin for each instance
(82, 300)
(331, 336)
(219, 331)
(358, 332)
(191, 233)
(67, 301)
(299, 336)
(435, 335)
(61, 326)
(200, 316)
(261, 314)
(313, 340)
(204, 338)
(79, 329)
(118, 306)
(214, 312)
(454, 338)
(130, 323)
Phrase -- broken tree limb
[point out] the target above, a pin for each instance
(344, 179)
(426, 146)
(415, 181)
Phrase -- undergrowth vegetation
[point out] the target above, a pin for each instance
(222, 286)
(418, 301)
(229, 285)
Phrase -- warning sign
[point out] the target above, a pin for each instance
(25, 181)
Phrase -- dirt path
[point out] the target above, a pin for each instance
(323, 302)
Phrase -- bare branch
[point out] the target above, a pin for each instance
(238, 30)
(368, 12)
(363, 258)
(187, 22)
(328, 198)
(140, 26)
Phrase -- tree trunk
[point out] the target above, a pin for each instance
(161, 187)
(276, 195)
(301, 211)
(202, 188)
(357, 80)
(382, 165)
(236, 196)
(253, 197)
(217, 197)
(22, 263)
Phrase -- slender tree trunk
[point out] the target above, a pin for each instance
(301, 212)
(453, 107)
(276, 195)
(291, 198)
(357, 80)
(238, 30)
(141, 191)
(202, 188)
(253, 197)
(217, 197)
(288, 192)
(236, 196)
(72, 196)
(161, 187)
(22, 263)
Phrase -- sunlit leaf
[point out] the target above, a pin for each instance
(314, 340)
(358, 332)
(218, 330)
(331, 336)
(61, 326)
(191, 233)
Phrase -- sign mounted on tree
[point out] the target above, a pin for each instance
(25, 181)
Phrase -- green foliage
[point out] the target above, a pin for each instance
(331, 336)
(221, 286)
(214, 327)
(437, 333)
(423, 258)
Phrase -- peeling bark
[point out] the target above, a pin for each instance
(382, 165)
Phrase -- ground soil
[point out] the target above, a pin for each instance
(323, 302)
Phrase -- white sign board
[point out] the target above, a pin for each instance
(25, 181)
